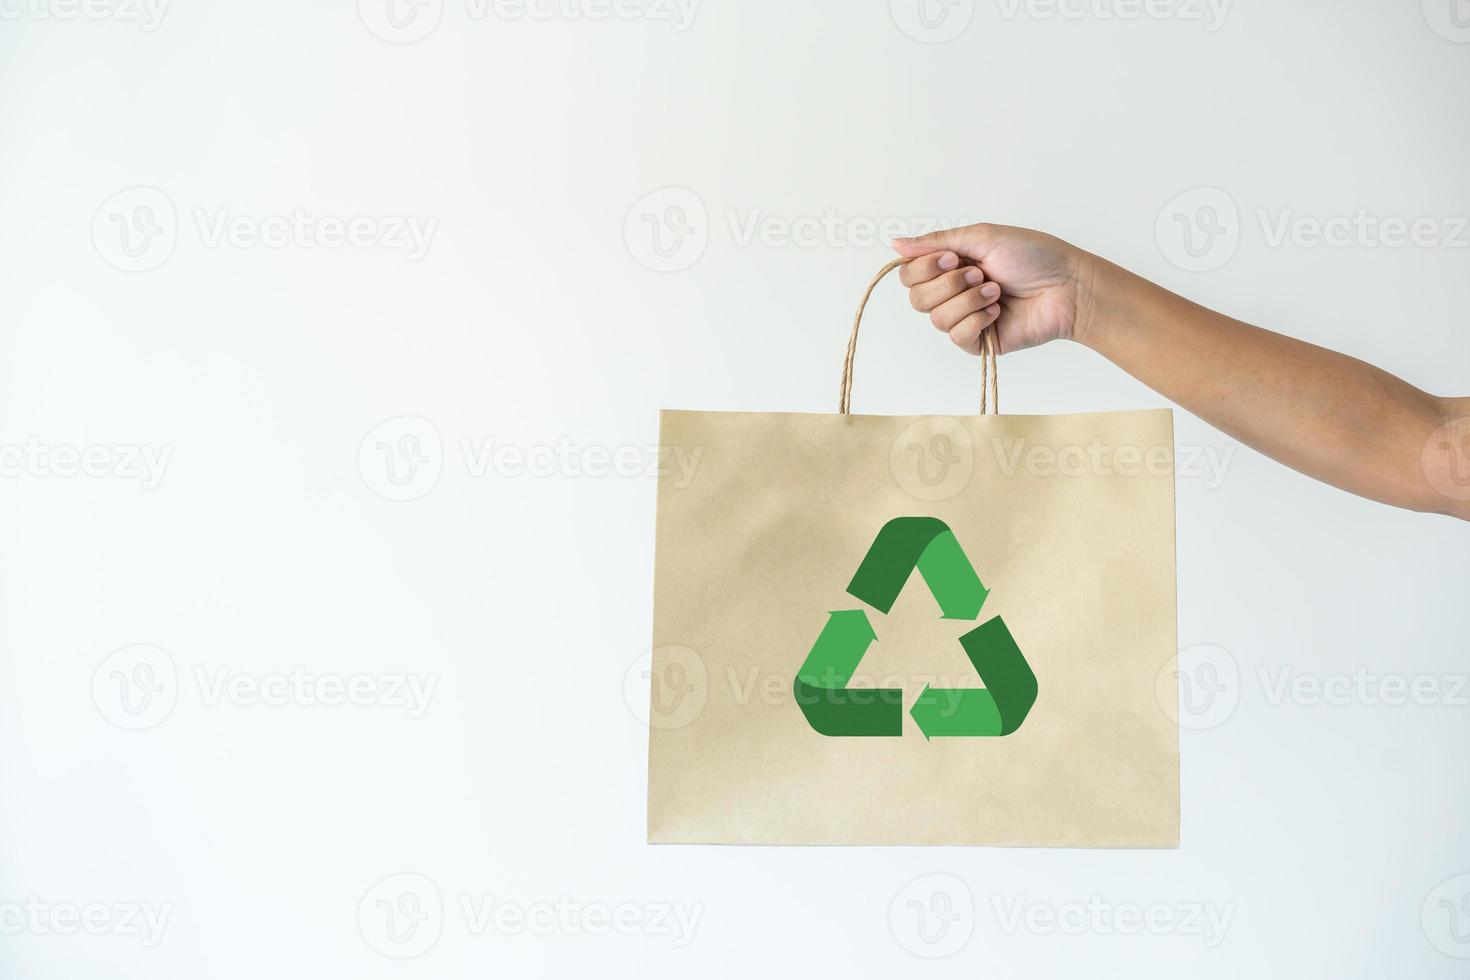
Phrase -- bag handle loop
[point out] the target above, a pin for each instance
(989, 348)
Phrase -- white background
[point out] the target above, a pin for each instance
(1329, 835)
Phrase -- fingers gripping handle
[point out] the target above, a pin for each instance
(989, 348)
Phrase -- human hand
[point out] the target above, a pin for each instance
(1032, 286)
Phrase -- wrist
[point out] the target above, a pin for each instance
(1089, 317)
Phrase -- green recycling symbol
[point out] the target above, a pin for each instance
(904, 544)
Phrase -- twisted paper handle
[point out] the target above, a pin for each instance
(989, 348)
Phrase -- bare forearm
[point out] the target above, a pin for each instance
(1328, 415)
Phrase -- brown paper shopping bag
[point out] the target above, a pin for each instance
(915, 630)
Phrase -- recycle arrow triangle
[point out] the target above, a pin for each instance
(902, 545)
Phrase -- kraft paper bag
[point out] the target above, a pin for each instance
(915, 630)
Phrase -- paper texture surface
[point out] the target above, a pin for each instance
(1068, 521)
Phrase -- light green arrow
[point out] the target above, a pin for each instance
(830, 706)
(949, 711)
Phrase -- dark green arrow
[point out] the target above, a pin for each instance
(925, 543)
(998, 708)
(830, 706)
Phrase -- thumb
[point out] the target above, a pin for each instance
(971, 241)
